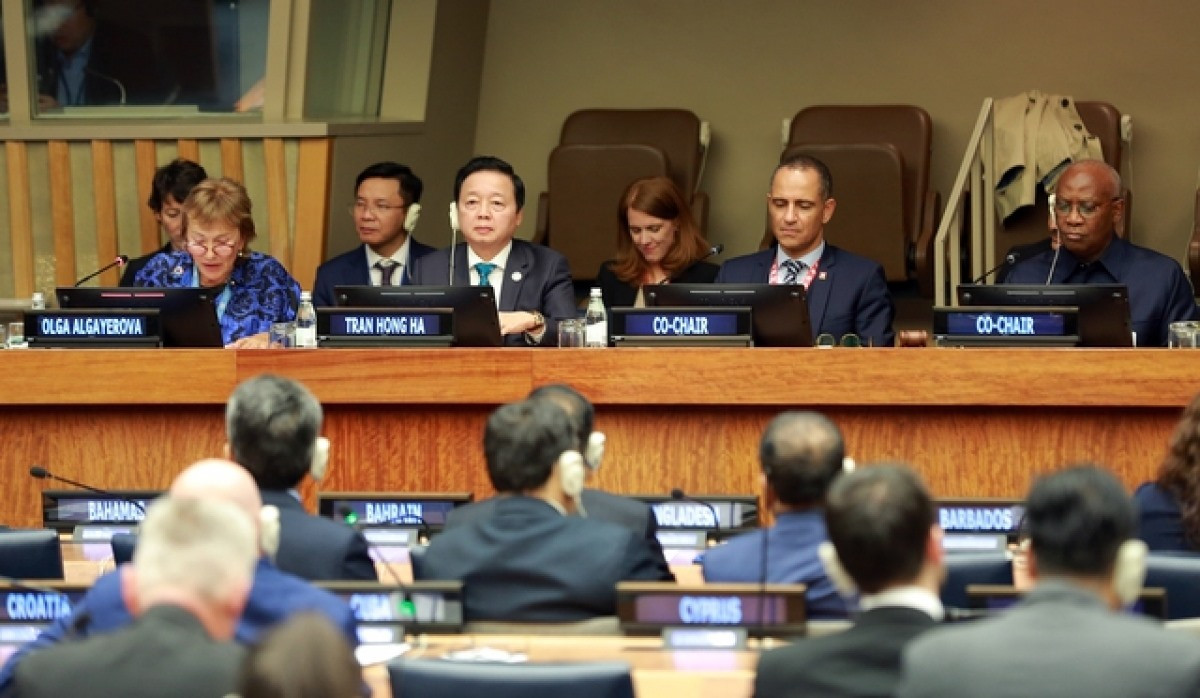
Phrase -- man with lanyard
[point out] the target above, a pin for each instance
(847, 294)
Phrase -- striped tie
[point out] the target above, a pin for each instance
(791, 271)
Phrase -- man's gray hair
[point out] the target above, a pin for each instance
(206, 547)
(272, 425)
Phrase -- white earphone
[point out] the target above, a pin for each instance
(454, 216)
(593, 453)
(320, 459)
(571, 473)
(1129, 571)
(268, 530)
(410, 218)
(834, 570)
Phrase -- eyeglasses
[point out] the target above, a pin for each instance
(1086, 208)
(826, 340)
(221, 248)
(360, 207)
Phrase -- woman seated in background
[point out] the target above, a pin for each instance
(1169, 507)
(304, 657)
(658, 242)
(255, 289)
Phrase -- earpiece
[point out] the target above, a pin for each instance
(1129, 571)
(268, 530)
(320, 459)
(454, 216)
(571, 473)
(1053, 199)
(411, 217)
(593, 454)
(848, 464)
(837, 574)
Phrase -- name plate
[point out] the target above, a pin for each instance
(384, 323)
(38, 605)
(653, 606)
(93, 327)
(1006, 322)
(980, 516)
(705, 326)
(65, 510)
(427, 606)
(399, 509)
(733, 512)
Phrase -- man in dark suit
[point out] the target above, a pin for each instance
(385, 210)
(529, 560)
(186, 586)
(596, 504)
(882, 530)
(1067, 637)
(801, 454)
(847, 294)
(171, 185)
(272, 424)
(532, 283)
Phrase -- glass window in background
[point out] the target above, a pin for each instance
(164, 57)
(346, 53)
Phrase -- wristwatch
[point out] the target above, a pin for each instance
(539, 321)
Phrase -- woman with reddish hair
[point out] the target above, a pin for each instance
(658, 241)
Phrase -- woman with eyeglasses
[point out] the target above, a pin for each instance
(254, 289)
(658, 241)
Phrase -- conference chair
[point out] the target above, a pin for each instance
(879, 156)
(31, 554)
(1179, 575)
(964, 569)
(1029, 225)
(600, 152)
(436, 677)
(122, 547)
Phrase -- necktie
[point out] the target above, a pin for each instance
(484, 269)
(386, 268)
(791, 271)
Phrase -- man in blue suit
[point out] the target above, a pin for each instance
(274, 595)
(847, 294)
(385, 211)
(532, 283)
(801, 454)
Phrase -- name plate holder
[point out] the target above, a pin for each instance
(385, 327)
(654, 608)
(685, 638)
(101, 328)
(93, 533)
(681, 327)
(1006, 327)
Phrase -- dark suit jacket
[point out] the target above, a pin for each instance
(619, 294)
(122, 57)
(600, 505)
(850, 293)
(133, 266)
(527, 562)
(315, 548)
(350, 269)
(862, 661)
(165, 652)
(544, 283)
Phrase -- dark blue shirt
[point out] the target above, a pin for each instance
(1159, 293)
(260, 290)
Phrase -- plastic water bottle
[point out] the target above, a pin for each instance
(38, 302)
(596, 321)
(306, 322)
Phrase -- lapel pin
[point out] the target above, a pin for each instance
(177, 271)
(516, 276)
(821, 276)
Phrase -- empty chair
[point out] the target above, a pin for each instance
(965, 569)
(600, 152)
(879, 156)
(1179, 575)
(426, 677)
(33, 554)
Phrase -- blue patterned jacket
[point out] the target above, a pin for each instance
(261, 290)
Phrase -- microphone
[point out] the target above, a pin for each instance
(715, 249)
(41, 473)
(108, 78)
(350, 518)
(1009, 259)
(120, 261)
(680, 496)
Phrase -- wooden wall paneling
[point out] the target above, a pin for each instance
(146, 156)
(104, 198)
(312, 208)
(189, 149)
(231, 160)
(62, 212)
(277, 201)
(20, 218)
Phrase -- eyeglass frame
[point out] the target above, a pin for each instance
(219, 248)
(375, 209)
(1063, 207)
